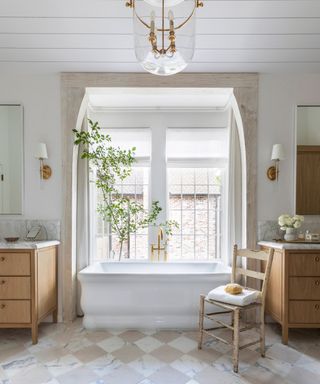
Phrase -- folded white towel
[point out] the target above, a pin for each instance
(245, 298)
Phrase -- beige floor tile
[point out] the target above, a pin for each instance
(12, 352)
(111, 344)
(166, 353)
(167, 336)
(90, 353)
(276, 366)
(208, 355)
(123, 375)
(50, 354)
(283, 353)
(96, 336)
(299, 375)
(81, 375)
(71, 354)
(256, 375)
(128, 353)
(194, 335)
(169, 375)
(131, 336)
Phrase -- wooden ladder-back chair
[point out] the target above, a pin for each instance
(235, 310)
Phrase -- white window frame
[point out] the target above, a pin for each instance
(221, 163)
(158, 124)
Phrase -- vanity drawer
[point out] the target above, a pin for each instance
(14, 287)
(304, 288)
(14, 264)
(304, 312)
(15, 311)
(304, 264)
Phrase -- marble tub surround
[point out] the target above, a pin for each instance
(19, 228)
(68, 354)
(270, 229)
(28, 244)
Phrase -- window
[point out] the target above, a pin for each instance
(135, 187)
(197, 160)
(186, 169)
(195, 203)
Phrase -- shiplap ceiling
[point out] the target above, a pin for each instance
(96, 35)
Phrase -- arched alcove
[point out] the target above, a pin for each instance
(73, 103)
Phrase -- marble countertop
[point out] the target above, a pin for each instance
(279, 245)
(28, 244)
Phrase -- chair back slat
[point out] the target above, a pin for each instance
(249, 273)
(257, 255)
(249, 254)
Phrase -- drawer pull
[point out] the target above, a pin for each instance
(2, 306)
(317, 306)
(2, 258)
(317, 282)
(317, 259)
(2, 282)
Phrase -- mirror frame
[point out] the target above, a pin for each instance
(22, 197)
(295, 142)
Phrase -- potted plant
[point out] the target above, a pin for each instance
(289, 224)
(111, 164)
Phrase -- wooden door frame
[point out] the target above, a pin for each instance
(73, 90)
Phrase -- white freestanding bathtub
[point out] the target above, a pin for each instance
(147, 295)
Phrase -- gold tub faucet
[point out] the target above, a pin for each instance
(161, 247)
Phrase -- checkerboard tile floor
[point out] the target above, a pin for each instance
(69, 354)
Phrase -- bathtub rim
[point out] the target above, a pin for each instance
(89, 272)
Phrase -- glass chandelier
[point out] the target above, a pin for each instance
(164, 34)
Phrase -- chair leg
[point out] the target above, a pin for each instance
(235, 358)
(201, 318)
(262, 333)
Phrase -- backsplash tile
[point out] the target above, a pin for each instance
(13, 228)
(269, 229)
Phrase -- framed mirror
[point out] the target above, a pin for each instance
(11, 159)
(308, 160)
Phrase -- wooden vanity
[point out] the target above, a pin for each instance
(293, 295)
(28, 284)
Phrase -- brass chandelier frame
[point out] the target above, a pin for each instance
(171, 49)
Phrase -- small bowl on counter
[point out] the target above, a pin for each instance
(11, 239)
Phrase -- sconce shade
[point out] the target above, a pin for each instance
(277, 152)
(41, 151)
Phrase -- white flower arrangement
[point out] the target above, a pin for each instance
(286, 221)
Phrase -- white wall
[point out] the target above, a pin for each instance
(40, 97)
(278, 98)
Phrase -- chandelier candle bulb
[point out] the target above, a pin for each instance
(163, 45)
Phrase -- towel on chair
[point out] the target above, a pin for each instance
(246, 297)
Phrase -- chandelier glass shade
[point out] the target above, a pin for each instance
(164, 34)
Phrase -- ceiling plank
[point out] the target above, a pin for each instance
(123, 26)
(116, 8)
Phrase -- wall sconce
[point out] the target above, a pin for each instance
(41, 154)
(276, 156)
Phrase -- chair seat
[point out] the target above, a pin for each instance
(245, 298)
